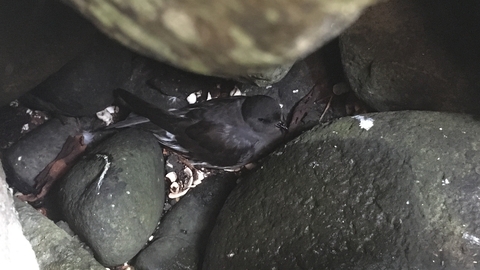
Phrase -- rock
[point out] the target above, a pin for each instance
(13, 120)
(38, 38)
(168, 87)
(55, 249)
(232, 39)
(267, 76)
(400, 194)
(405, 55)
(25, 159)
(296, 84)
(182, 235)
(94, 73)
(15, 250)
(321, 69)
(113, 198)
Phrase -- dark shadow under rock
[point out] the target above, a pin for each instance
(181, 238)
(84, 85)
(406, 55)
(401, 194)
(38, 38)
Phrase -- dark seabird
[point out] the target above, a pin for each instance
(219, 133)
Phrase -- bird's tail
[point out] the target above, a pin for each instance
(150, 118)
(145, 109)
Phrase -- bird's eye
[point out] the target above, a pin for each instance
(263, 120)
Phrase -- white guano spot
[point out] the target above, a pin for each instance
(365, 122)
(192, 98)
(106, 115)
(25, 128)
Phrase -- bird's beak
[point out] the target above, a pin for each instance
(282, 126)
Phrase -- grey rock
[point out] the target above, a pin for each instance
(401, 195)
(95, 72)
(25, 159)
(114, 196)
(288, 91)
(267, 77)
(168, 87)
(38, 38)
(54, 248)
(15, 250)
(230, 39)
(405, 55)
(181, 238)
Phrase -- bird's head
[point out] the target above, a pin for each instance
(263, 114)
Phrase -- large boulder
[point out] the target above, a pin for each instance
(415, 55)
(401, 194)
(113, 198)
(227, 38)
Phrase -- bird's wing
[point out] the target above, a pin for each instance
(223, 142)
(132, 120)
(153, 113)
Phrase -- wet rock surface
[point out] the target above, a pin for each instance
(114, 196)
(399, 195)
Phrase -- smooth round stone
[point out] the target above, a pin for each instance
(390, 190)
(113, 198)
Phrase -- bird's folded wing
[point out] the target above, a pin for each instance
(132, 120)
(222, 140)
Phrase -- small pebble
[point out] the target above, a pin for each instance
(341, 88)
